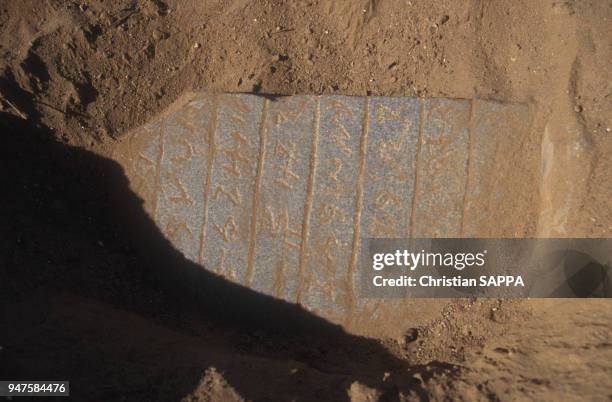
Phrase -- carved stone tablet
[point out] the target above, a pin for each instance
(275, 194)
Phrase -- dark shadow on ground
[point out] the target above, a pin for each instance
(79, 301)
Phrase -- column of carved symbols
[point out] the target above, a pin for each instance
(334, 208)
(184, 170)
(442, 168)
(284, 189)
(393, 136)
(232, 186)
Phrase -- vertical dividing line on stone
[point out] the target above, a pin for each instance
(467, 167)
(416, 169)
(263, 134)
(309, 199)
(158, 189)
(357, 216)
(212, 127)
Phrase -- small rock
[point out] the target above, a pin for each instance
(499, 316)
(160, 35)
(502, 350)
(418, 377)
(362, 393)
(411, 335)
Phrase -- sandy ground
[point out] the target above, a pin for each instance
(78, 301)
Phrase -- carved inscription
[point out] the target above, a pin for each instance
(232, 187)
(330, 242)
(388, 189)
(276, 194)
(442, 167)
(184, 165)
(286, 171)
(390, 167)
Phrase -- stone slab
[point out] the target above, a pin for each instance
(275, 194)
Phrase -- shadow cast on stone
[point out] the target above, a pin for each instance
(71, 225)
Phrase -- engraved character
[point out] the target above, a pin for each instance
(229, 231)
(236, 154)
(287, 175)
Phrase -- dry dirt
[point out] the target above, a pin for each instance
(78, 302)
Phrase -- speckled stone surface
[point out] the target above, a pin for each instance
(275, 194)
